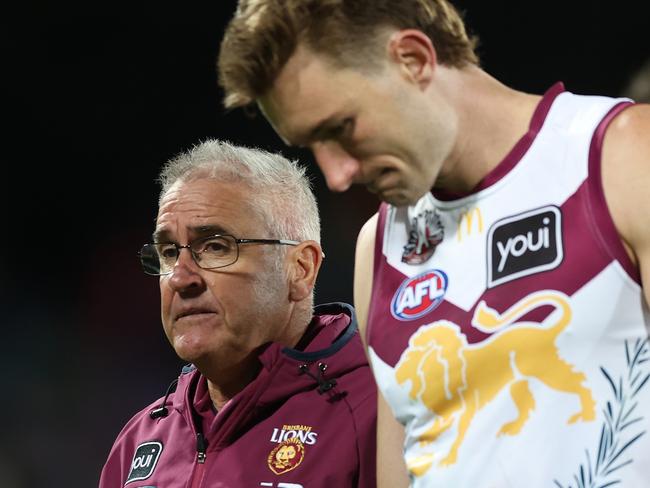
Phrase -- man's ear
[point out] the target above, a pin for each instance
(304, 263)
(413, 51)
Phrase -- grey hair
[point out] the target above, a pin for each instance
(280, 191)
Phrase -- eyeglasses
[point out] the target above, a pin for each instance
(218, 251)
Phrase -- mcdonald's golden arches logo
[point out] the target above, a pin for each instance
(469, 220)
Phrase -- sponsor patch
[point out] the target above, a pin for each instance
(286, 456)
(144, 461)
(419, 295)
(470, 222)
(524, 244)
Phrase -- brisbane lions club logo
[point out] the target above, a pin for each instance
(286, 456)
(419, 295)
(290, 450)
(455, 380)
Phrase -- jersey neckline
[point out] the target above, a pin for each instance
(518, 150)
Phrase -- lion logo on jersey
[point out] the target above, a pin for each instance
(455, 380)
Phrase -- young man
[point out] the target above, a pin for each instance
(499, 286)
(278, 393)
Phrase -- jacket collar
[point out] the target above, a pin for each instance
(335, 324)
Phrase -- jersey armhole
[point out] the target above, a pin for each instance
(376, 266)
(597, 210)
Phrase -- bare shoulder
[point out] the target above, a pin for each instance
(363, 271)
(626, 181)
(366, 238)
(626, 173)
(627, 135)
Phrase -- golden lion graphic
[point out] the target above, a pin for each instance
(455, 380)
(286, 456)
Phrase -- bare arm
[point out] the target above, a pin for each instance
(391, 471)
(363, 262)
(626, 182)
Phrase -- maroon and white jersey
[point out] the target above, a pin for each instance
(508, 330)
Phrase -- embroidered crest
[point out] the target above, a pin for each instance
(425, 233)
(286, 456)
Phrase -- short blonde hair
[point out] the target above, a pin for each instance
(263, 34)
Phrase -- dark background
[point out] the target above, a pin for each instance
(94, 102)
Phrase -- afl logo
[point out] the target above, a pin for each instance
(419, 295)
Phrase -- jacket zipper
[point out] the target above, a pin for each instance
(201, 455)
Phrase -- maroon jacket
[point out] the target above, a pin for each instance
(308, 420)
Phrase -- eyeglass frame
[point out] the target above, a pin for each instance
(188, 246)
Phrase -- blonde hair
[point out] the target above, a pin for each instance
(263, 34)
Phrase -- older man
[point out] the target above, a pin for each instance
(277, 393)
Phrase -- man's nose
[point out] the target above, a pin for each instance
(338, 166)
(186, 273)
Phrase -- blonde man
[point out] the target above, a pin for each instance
(499, 287)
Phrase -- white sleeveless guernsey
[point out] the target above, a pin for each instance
(516, 354)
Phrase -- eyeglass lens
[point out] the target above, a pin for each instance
(208, 252)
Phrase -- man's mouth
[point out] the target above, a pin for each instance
(193, 312)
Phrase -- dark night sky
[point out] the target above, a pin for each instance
(95, 102)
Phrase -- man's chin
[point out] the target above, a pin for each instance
(191, 353)
(400, 198)
(193, 357)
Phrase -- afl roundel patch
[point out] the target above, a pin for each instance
(419, 295)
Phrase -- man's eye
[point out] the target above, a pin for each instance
(215, 246)
(344, 129)
(167, 251)
(347, 127)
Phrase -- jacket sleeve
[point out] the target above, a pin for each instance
(116, 467)
(118, 464)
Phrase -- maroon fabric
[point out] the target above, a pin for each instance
(379, 260)
(600, 218)
(338, 425)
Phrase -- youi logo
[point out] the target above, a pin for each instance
(419, 295)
